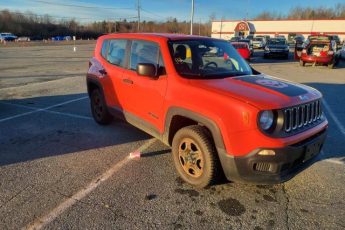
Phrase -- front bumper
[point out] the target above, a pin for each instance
(276, 53)
(286, 163)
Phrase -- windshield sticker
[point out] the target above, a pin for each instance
(272, 83)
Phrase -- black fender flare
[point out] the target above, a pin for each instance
(92, 79)
(197, 117)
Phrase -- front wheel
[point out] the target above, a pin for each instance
(99, 108)
(195, 156)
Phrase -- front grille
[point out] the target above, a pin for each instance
(300, 116)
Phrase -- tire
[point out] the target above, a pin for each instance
(287, 57)
(202, 168)
(301, 63)
(99, 108)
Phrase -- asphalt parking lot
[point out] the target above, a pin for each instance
(60, 170)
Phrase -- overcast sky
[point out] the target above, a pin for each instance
(158, 9)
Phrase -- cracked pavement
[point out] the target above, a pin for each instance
(47, 157)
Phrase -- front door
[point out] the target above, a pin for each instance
(145, 95)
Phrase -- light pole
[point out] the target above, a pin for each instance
(138, 2)
(191, 18)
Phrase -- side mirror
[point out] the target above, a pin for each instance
(147, 69)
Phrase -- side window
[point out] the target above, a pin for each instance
(143, 52)
(117, 52)
(160, 60)
(104, 48)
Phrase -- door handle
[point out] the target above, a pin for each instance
(127, 81)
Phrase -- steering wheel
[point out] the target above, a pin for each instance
(210, 63)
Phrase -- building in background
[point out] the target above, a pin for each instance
(227, 29)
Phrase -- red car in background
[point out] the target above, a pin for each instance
(243, 49)
(319, 49)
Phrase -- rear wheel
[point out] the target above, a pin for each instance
(195, 156)
(99, 108)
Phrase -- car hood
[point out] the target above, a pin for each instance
(277, 46)
(261, 91)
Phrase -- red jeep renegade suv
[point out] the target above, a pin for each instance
(217, 115)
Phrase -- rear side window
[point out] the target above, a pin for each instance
(117, 52)
(104, 48)
(143, 52)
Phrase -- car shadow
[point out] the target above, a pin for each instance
(46, 126)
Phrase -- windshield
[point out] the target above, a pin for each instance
(206, 58)
(257, 39)
(276, 42)
(240, 45)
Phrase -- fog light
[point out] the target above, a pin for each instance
(267, 152)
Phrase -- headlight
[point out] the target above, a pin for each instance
(266, 119)
(267, 49)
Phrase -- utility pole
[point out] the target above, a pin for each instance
(199, 25)
(138, 3)
(191, 18)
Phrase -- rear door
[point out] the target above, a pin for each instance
(145, 96)
(115, 65)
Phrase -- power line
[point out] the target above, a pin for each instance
(82, 6)
(62, 17)
(149, 12)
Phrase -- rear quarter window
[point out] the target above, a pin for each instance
(104, 49)
(117, 52)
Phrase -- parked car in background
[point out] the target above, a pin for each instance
(299, 40)
(7, 37)
(342, 52)
(291, 38)
(337, 41)
(23, 39)
(277, 47)
(250, 37)
(243, 49)
(280, 37)
(258, 42)
(319, 49)
(62, 38)
(235, 39)
(250, 45)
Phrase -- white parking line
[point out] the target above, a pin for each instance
(53, 214)
(40, 110)
(48, 111)
(335, 161)
(335, 119)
